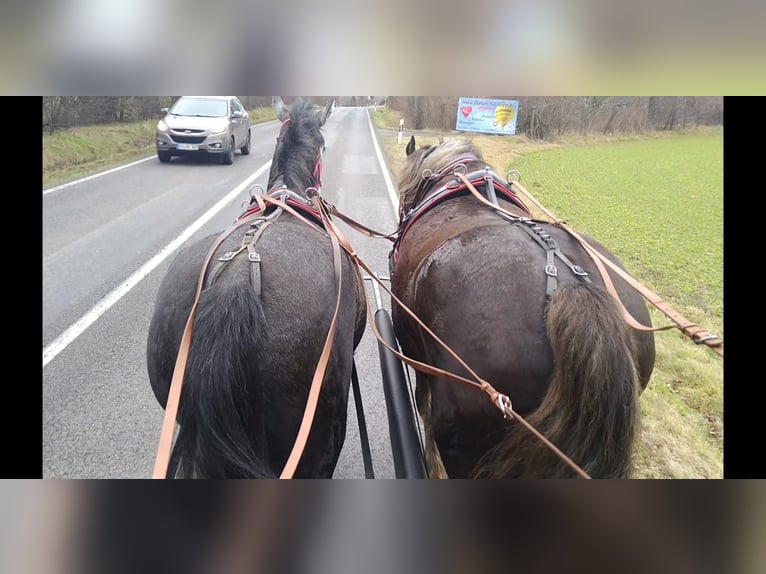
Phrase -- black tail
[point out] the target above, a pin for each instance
(590, 411)
(220, 415)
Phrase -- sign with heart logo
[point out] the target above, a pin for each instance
(485, 116)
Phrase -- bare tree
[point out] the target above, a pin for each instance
(590, 108)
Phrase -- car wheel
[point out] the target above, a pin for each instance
(228, 157)
(246, 147)
(164, 156)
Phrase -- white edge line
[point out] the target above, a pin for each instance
(79, 326)
(384, 168)
(95, 175)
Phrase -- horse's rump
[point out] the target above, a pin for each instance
(479, 282)
(293, 315)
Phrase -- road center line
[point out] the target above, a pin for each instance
(79, 326)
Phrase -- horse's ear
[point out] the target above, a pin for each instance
(279, 107)
(325, 113)
(410, 146)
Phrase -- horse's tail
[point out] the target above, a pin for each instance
(219, 401)
(590, 411)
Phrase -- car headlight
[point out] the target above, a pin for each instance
(162, 126)
(218, 128)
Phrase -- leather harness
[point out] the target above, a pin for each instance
(460, 184)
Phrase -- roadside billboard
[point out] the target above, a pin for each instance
(487, 116)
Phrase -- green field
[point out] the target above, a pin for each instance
(656, 201)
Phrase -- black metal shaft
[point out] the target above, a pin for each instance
(405, 446)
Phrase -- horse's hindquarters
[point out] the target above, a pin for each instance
(483, 292)
(269, 373)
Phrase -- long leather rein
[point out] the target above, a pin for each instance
(693, 331)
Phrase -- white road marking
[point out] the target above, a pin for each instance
(392, 193)
(95, 175)
(79, 326)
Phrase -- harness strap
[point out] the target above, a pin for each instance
(501, 401)
(324, 358)
(366, 455)
(451, 189)
(359, 227)
(249, 241)
(697, 334)
(551, 249)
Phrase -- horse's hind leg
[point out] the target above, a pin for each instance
(434, 465)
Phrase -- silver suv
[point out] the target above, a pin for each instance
(214, 125)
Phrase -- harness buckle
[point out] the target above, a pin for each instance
(457, 171)
(504, 404)
(252, 187)
(253, 257)
(577, 270)
(551, 271)
(228, 256)
(708, 337)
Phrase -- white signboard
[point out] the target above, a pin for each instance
(487, 116)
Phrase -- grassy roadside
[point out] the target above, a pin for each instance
(78, 152)
(657, 201)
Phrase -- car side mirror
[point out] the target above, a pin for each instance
(237, 114)
(164, 110)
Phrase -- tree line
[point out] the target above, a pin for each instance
(546, 117)
(539, 117)
(63, 112)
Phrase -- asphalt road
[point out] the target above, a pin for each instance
(107, 242)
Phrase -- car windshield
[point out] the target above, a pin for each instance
(202, 107)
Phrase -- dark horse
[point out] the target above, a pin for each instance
(524, 319)
(259, 331)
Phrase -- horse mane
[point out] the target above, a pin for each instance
(295, 156)
(434, 158)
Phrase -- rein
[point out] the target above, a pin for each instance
(501, 401)
(698, 335)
